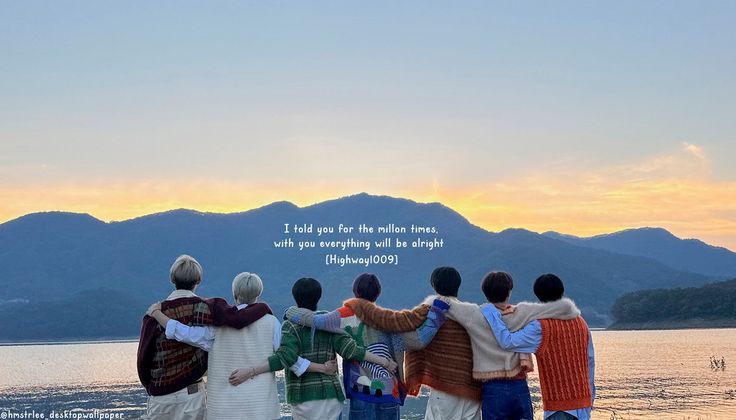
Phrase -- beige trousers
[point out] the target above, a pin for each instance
(317, 410)
(179, 405)
(444, 406)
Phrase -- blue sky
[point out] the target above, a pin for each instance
(432, 100)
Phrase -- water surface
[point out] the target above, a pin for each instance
(640, 375)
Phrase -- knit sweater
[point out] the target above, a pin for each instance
(255, 399)
(166, 366)
(319, 347)
(444, 364)
(364, 380)
(489, 360)
(563, 364)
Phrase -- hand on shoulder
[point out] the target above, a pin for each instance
(153, 308)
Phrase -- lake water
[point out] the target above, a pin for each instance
(640, 375)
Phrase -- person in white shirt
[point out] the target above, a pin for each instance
(229, 348)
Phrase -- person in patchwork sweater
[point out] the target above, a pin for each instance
(313, 395)
(373, 391)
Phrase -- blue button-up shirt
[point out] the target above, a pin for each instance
(527, 340)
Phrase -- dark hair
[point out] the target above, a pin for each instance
(548, 288)
(445, 281)
(497, 286)
(367, 286)
(307, 292)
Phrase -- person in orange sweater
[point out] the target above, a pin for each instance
(564, 350)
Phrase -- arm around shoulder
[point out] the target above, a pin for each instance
(288, 352)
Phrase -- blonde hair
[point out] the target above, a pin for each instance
(247, 287)
(186, 272)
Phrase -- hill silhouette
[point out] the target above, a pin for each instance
(52, 258)
(683, 254)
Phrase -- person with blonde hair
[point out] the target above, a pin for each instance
(170, 371)
(173, 359)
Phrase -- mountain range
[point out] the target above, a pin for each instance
(691, 255)
(68, 275)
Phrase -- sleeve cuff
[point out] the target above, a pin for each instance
(300, 366)
(171, 328)
(360, 353)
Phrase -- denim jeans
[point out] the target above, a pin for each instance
(561, 415)
(361, 410)
(507, 400)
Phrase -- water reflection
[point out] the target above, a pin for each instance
(640, 375)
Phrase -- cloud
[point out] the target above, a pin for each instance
(695, 150)
(674, 190)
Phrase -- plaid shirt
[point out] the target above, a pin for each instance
(166, 366)
(296, 341)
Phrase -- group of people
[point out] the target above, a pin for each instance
(473, 358)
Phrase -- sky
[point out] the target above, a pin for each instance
(580, 117)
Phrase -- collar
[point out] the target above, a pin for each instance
(178, 294)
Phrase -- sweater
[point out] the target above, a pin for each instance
(444, 364)
(364, 380)
(563, 364)
(256, 399)
(490, 361)
(297, 340)
(166, 366)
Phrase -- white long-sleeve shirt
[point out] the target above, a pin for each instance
(203, 338)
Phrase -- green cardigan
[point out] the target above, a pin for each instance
(296, 341)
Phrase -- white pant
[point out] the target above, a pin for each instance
(317, 410)
(444, 406)
(179, 405)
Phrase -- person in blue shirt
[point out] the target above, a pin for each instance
(564, 350)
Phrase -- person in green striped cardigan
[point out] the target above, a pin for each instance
(312, 395)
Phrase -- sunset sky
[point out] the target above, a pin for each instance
(580, 117)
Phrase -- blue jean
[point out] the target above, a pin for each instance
(561, 415)
(507, 400)
(361, 410)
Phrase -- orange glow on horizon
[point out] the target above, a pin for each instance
(494, 207)
(653, 192)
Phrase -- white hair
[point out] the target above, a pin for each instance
(247, 287)
(185, 272)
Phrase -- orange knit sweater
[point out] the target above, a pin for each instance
(562, 361)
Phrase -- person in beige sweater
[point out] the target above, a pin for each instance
(505, 390)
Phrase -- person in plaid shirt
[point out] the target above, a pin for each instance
(312, 395)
